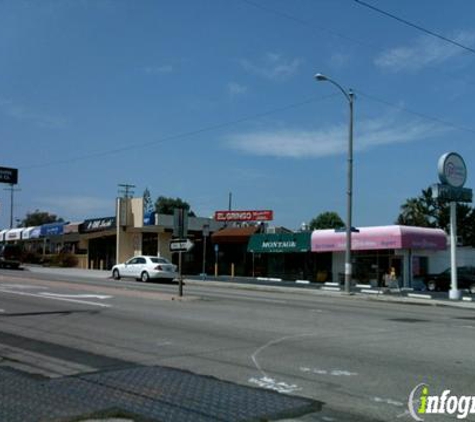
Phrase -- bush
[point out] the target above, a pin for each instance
(63, 259)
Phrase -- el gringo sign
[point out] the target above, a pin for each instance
(264, 215)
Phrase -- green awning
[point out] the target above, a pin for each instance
(279, 243)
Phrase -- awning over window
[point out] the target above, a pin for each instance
(279, 243)
(13, 234)
(378, 238)
(27, 233)
(53, 229)
(234, 234)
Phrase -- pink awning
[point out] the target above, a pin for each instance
(383, 237)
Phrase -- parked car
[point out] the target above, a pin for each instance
(11, 256)
(145, 268)
(442, 281)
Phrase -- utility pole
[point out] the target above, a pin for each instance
(12, 191)
(125, 192)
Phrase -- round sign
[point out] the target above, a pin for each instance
(452, 170)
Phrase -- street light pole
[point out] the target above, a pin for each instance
(350, 96)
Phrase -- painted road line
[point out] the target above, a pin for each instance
(269, 279)
(83, 302)
(331, 289)
(302, 281)
(363, 286)
(419, 296)
(2, 311)
(467, 299)
(369, 291)
(80, 296)
(330, 283)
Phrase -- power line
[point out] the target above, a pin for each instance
(413, 25)
(416, 113)
(181, 136)
(307, 23)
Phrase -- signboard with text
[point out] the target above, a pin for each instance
(254, 215)
(8, 175)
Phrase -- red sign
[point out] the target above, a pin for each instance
(265, 215)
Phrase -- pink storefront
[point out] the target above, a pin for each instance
(375, 250)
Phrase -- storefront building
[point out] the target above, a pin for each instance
(377, 250)
(288, 256)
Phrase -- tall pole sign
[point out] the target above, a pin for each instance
(452, 175)
(9, 176)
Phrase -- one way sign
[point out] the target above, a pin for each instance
(181, 245)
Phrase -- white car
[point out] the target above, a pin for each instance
(145, 268)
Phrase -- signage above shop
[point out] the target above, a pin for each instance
(97, 224)
(279, 243)
(255, 215)
(8, 175)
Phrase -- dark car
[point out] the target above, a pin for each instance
(10, 256)
(442, 281)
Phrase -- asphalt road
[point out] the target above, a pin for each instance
(361, 358)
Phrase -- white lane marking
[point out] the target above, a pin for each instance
(267, 382)
(388, 401)
(272, 384)
(333, 372)
(2, 310)
(23, 286)
(468, 326)
(164, 343)
(86, 296)
(83, 302)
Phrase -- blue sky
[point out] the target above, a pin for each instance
(199, 98)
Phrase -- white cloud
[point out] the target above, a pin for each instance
(20, 112)
(369, 134)
(158, 70)
(425, 51)
(235, 89)
(78, 207)
(272, 66)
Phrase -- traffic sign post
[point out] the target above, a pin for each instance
(180, 246)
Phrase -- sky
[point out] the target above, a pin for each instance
(199, 98)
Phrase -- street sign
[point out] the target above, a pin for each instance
(181, 245)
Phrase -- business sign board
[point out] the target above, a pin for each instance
(8, 175)
(97, 224)
(450, 194)
(452, 170)
(255, 215)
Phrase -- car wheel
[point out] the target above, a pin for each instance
(471, 289)
(432, 286)
(144, 277)
(116, 275)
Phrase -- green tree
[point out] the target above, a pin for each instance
(326, 220)
(425, 211)
(165, 205)
(38, 218)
